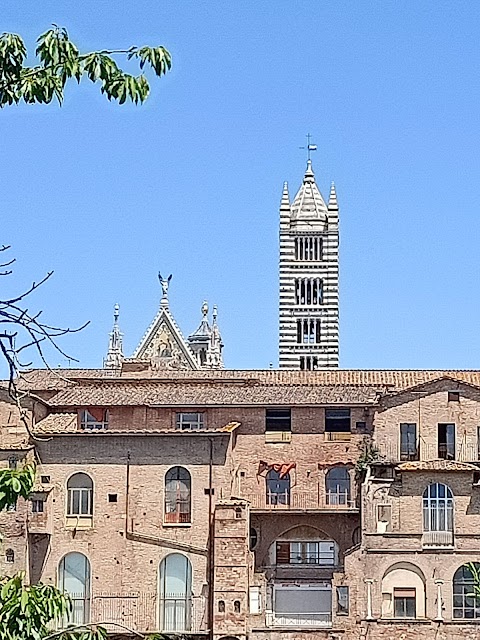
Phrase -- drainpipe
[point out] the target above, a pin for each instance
(127, 493)
(211, 570)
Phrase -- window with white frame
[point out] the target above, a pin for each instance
(190, 421)
(93, 418)
(80, 495)
(318, 552)
(437, 508)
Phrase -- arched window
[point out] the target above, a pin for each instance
(9, 555)
(278, 487)
(403, 592)
(175, 593)
(74, 579)
(80, 495)
(178, 484)
(337, 485)
(438, 515)
(466, 599)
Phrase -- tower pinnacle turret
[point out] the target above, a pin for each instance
(114, 357)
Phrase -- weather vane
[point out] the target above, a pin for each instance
(310, 147)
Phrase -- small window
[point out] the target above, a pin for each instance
(221, 606)
(93, 418)
(45, 479)
(337, 420)
(238, 513)
(404, 603)
(255, 600)
(278, 420)
(9, 555)
(236, 606)
(112, 497)
(361, 427)
(308, 363)
(12, 462)
(342, 600)
(384, 518)
(357, 536)
(37, 505)
(454, 396)
(190, 421)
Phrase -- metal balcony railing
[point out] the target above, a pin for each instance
(437, 539)
(426, 451)
(301, 500)
(314, 619)
(142, 612)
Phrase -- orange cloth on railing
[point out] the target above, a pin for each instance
(282, 468)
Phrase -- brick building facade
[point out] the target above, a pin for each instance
(278, 505)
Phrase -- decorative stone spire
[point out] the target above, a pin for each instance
(285, 201)
(214, 356)
(114, 356)
(332, 200)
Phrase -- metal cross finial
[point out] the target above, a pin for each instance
(310, 147)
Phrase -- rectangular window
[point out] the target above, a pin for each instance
(337, 421)
(37, 505)
(408, 441)
(303, 604)
(446, 441)
(93, 418)
(384, 518)
(278, 420)
(255, 600)
(404, 603)
(318, 553)
(190, 421)
(454, 396)
(342, 600)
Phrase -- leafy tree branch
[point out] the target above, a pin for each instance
(60, 61)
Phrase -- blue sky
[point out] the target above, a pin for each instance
(190, 182)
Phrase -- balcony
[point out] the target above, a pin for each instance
(316, 619)
(295, 500)
(437, 539)
(142, 612)
(426, 452)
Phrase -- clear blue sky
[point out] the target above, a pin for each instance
(190, 182)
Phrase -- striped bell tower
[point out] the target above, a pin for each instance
(308, 278)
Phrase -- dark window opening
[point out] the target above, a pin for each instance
(12, 462)
(408, 441)
(278, 420)
(466, 604)
(37, 505)
(454, 396)
(308, 363)
(404, 603)
(238, 513)
(236, 606)
(93, 418)
(361, 427)
(337, 421)
(9, 555)
(45, 479)
(337, 485)
(221, 606)
(112, 497)
(446, 441)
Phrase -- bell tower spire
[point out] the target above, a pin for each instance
(308, 310)
(114, 357)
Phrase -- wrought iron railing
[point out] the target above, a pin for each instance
(316, 619)
(142, 612)
(301, 500)
(426, 451)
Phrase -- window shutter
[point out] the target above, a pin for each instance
(255, 601)
(283, 553)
